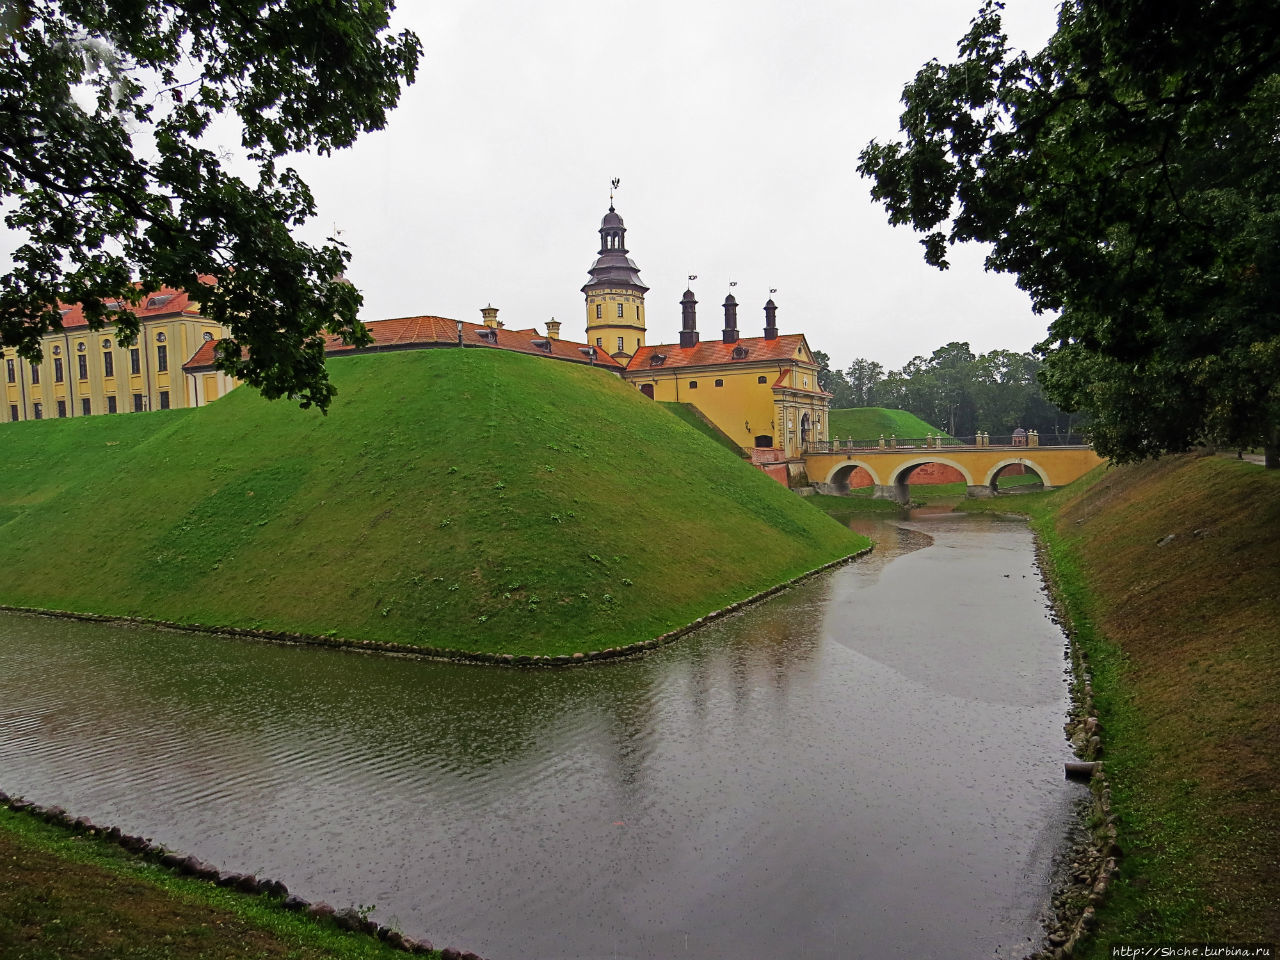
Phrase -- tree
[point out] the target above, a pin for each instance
(1129, 175)
(864, 377)
(112, 175)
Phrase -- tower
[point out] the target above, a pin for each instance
(615, 294)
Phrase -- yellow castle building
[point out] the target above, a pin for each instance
(85, 372)
(762, 392)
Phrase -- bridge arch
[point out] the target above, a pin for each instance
(994, 473)
(838, 476)
(898, 477)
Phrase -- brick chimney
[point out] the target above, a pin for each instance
(688, 320)
(770, 320)
(730, 319)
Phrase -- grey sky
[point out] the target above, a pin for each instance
(735, 129)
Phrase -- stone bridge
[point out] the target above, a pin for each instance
(980, 465)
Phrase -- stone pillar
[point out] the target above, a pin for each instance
(882, 441)
(1033, 438)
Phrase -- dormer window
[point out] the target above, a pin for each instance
(154, 303)
(543, 345)
(657, 360)
(489, 336)
(740, 353)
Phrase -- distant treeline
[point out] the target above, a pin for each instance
(961, 391)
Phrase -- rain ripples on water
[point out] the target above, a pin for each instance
(869, 764)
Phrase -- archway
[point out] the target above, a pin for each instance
(943, 477)
(852, 477)
(1016, 476)
(647, 390)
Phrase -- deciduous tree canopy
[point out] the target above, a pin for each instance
(110, 172)
(1129, 175)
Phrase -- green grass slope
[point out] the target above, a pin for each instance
(868, 423)
(689, 414)
(471, 499)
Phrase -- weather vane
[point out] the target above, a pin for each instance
(693, 277)
(613, 186)
(773, 290)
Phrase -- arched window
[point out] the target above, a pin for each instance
(762, 379)
(599, 310)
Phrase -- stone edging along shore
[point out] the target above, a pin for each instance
(347, 918)
(443, 653)
(1094, 861)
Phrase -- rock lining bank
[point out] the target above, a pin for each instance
(1093, 859)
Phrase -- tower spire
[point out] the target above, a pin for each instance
(612, 187)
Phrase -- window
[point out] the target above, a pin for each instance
(619, 311)
(762, 380)
(599, 310)
(137, 403)
(85, 408)
(38, 409)
(13, 412)
(162, 359)
(106, 344)
(135, 361)
(207, 336)
(719, 383)
(82, 366)
(11, 371)
(57, 369)
(108, 364)
(620, 347)
(35, 374)
(637, 311)
(599, 341)
(111, 404)
(62, 408)
(164, 399)
(693, 384)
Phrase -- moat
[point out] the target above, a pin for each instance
(867, 765)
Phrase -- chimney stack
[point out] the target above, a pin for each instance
(730, 319)
(688, 320)
(770, 320)
(553, 329)
(490, 314)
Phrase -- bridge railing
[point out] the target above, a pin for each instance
(939, 442)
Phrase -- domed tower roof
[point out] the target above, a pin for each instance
(613, 266)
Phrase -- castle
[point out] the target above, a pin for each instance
(761, 392)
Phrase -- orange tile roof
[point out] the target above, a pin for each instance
(713, 352)
(415, 333)
(165, 302)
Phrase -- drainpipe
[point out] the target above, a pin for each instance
(71, 393)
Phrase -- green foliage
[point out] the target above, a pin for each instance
(1129, 175)
(111, 175)
(420, 510)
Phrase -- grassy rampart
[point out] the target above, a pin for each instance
(1169, 573)
(68, 896)
(474, 499)
(868, 423)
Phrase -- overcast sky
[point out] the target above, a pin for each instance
(735, 129)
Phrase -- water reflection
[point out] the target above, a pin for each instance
(868, 764)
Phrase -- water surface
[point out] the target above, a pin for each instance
(868, 765)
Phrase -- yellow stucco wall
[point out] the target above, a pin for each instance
(1056, 466)
(604, 330)
(171, 340)
(744, 404)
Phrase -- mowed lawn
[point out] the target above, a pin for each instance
(471, 499)
(869, 423)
